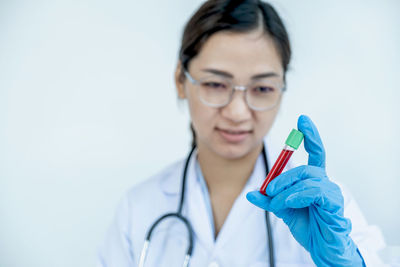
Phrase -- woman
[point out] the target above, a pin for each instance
(231, 70)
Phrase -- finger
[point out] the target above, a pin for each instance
(320, 193)
(335, 220)
(279, 202)
(264, 202)
(303, 198)
(312, 141)
(258, 199)
(293, 176)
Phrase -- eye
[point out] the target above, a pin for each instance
(214, 85)
(263, 89)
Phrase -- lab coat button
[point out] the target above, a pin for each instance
(213, 264)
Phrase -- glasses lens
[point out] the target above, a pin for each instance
(214, 90)
(264, 94)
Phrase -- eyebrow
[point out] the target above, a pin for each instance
(254, 77)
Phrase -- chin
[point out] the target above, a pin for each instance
(232, 151)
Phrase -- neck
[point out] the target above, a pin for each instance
(226, 175)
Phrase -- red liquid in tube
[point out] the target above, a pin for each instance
(278, 167)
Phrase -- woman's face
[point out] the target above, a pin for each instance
(234, 130)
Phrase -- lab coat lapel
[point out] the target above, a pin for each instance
(241, 208)
(195, 206)
(196, 209)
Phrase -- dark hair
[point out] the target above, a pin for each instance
(237, 16)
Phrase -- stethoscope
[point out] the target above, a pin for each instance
(178, 215)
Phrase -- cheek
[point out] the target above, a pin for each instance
(265, 121)
(202, 117)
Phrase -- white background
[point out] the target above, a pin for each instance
(88, 108)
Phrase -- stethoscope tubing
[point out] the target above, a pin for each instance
(188, 225)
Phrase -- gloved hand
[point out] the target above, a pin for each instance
(312, 206)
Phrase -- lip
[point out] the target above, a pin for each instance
(233, 136)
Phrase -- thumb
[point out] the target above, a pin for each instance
(312, 141)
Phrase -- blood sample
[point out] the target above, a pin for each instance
(292, 143)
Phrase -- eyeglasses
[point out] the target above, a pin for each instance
(216, 91)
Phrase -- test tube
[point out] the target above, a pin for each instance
(292, 143)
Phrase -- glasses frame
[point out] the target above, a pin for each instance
(234, 88)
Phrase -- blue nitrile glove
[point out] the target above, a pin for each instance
(312, 206)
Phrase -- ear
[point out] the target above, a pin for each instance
(179, 81)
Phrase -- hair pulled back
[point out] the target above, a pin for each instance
(236, 16)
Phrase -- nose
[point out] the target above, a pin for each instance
(237, 109)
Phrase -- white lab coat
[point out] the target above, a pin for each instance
(242, 241)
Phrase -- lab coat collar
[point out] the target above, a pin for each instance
(172, 182)
(195, 209)
(241, 207)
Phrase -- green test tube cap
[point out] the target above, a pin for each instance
(294, 139)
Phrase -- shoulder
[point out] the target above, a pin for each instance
(138, 208)
(145, 201)
(165, 181)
